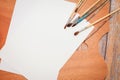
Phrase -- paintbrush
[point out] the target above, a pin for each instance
(89, 11)
(96, 11)
(99, 20)
(74, 12)
(96, 7)
(70, 24)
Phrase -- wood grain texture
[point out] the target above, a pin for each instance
(113, 50)
(103, 41)
(103, 45)
(86, 63)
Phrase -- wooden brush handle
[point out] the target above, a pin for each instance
(90, 25)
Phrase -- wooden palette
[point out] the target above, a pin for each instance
(6, 10)
(86, 63)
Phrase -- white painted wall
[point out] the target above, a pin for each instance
(37, 45)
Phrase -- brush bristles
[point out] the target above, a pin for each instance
(76, 33)
(74, 25)
(67, 25)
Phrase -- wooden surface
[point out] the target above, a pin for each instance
(113, 47)
(109, 45)
(103, 45)
(4, 75)
(86, 63)
(6, 10)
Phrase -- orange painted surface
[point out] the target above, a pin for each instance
(6, 10)
(86, 63)
(4, 75)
